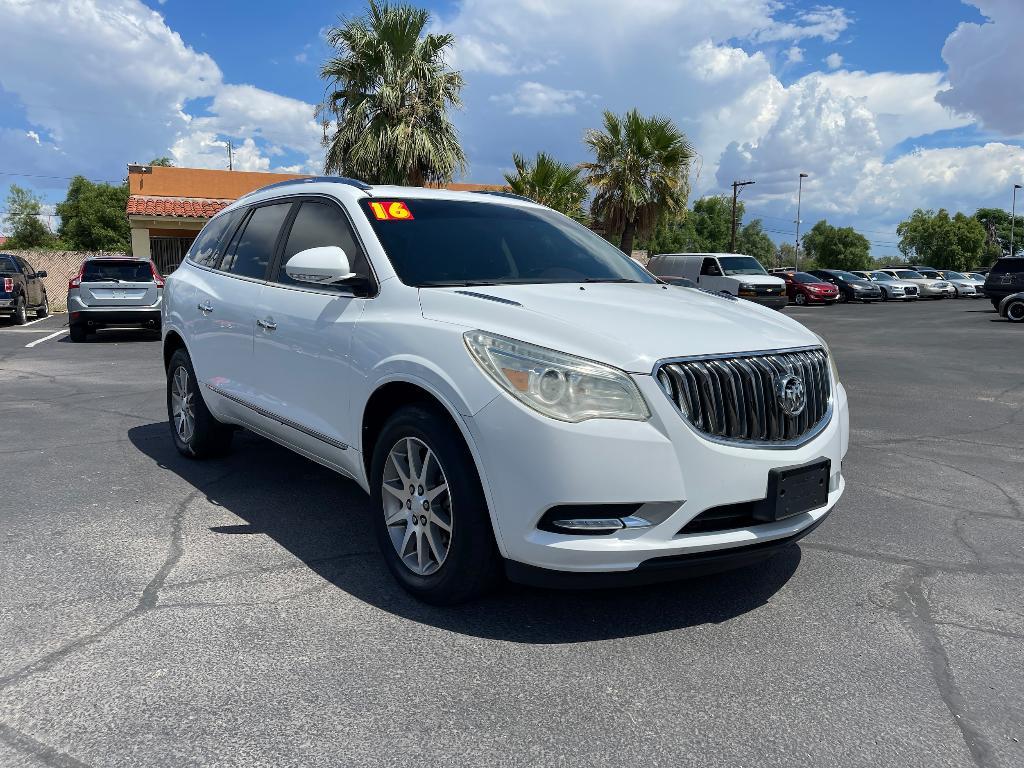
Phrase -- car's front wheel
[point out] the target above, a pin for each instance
(197, 434)
(432, 523)
(1015, 311)
(885, 295)
(799, 299)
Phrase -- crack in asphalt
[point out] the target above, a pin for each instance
(912, 605)
(42, 752)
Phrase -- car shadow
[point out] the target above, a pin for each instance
(115, 335)
(324, 521)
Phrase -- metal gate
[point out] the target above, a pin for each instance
(169, 252)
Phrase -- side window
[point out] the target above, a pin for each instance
(204, 251)
(253, 248)
(25, 266)
(317, 224)
(710, 268)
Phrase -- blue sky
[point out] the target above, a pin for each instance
(847, 92)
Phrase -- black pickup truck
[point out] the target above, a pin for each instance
(21, 289)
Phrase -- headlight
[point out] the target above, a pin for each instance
(558, 385)
(831, 360)
(748, 289)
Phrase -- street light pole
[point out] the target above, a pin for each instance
(735, 191)
(1013, 215)
(799, 198)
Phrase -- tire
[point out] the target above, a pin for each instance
(799, 299)
(20, 313)
(885, 295)
(78, 333)
(1015, 311)
(204, 437)
(44, 309)
(843, 298)
(470, 564)
(830, 303)
(956, 292)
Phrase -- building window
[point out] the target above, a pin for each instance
(169, 252)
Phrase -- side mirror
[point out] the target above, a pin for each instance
(41, 274)
(324, 265)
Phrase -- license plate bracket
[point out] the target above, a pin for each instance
(794, 490)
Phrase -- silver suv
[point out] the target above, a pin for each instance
(114, 291)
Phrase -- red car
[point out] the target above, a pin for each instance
(803, 288)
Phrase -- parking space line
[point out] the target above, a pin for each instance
(61, 332)
(37, 320)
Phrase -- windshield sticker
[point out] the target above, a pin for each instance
(393, 211)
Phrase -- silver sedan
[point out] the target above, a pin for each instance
(893, 288)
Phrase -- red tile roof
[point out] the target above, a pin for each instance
(196, 208)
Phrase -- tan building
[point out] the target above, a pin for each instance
(168, 206)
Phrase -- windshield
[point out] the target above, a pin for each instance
(931, 274)
(803, 277)
(883, 277)
(118, 271)
(954, 276)
(846, 277)
(456, 242)
(741, 265)
(909, 274)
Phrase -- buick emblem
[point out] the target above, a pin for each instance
(789, 390)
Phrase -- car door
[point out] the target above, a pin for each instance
(33, 285)
(225, 308)
(712, 278)
(304, 335)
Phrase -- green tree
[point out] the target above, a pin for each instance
(163, 162)
(786, 255)
(837, 247)
(753, 241)
(389, 94)
(24, 220)
(640, 171)
(713, 222)
(996, 222)
(551, 183)
(92, 216)
(943, 241)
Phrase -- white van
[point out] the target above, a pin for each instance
(731, 273)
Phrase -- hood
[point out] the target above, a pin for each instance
(759, 280)
(628, 325)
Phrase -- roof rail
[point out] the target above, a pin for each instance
(314, 180)
(499, 193)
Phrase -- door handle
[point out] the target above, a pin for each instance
(267, 325)
(205, 308)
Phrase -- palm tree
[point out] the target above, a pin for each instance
(551, 183)
(640, 170)
(388, 92)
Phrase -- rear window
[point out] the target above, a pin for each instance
(1002, 266)
(457, 242)
(7, 264)
(117, 271)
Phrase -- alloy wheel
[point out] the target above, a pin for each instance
(182, 405)
(1015, 312)
(417, 506)
(800, 299)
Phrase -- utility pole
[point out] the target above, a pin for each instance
(799, 198)
(1013, 215)
(735, 192)
(231, 161)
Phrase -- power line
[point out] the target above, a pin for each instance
(59, 178)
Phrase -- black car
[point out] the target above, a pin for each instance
(1005, 277)
(21, 289)
(851, 287)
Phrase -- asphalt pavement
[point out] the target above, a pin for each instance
(157, 611)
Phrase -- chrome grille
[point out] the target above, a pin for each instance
(735, 399)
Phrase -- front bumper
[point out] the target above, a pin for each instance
(530, 463)
(774, 302)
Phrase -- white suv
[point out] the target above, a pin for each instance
(512, 391)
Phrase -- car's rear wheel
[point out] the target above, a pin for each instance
(44, 309)
(432, 523)
(20, 313)
(197, 434)
(995, 303)
(78, 333)
(1015, 311)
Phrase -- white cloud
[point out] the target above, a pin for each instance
(537, 99)
(833, 61)
(129, 94)
(33, 135)
(794, 55)
(985, 67)
(824, 22)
